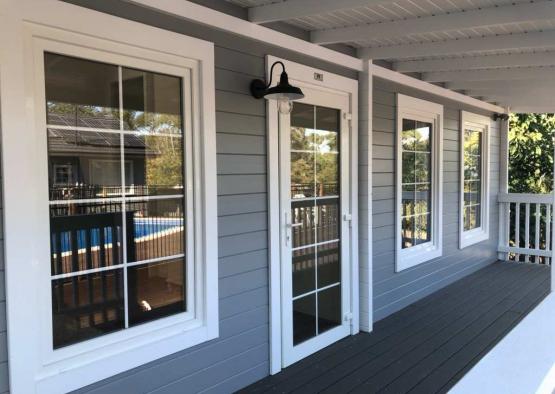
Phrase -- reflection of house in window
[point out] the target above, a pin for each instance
(63, 174)
(86, 164)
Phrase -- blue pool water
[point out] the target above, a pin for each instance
(143, 227)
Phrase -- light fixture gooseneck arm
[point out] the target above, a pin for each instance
(272, 71)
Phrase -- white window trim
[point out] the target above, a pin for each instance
(34, 25)
(414, 108)
(474, 236)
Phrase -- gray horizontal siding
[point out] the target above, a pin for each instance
(393, 291)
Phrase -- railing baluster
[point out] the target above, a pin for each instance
(537, 218)
(547, 231)
(527, 232)
(537, 250)
(517, 229)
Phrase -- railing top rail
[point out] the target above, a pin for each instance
(525, 198)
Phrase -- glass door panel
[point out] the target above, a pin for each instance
(315, 213)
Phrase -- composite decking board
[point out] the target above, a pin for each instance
(388, 326)
(419, 313)
(434, 352)
(541, 294)
(453, 317)
(473, 314)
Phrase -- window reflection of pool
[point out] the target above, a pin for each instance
(145, 229)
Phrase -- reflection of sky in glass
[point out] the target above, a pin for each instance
(325, 145)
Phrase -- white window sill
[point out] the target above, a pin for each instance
(408, 258)
(118, 357)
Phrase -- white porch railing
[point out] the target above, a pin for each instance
(525, 227)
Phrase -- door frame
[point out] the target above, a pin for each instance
(301, 75)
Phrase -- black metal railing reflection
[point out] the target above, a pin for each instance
(87, 191)
(315, 221)
(89, 236)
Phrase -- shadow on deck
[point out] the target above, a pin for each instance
(426, 347)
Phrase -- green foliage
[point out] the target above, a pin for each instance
(531, 153)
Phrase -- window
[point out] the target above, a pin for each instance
(116, 236)
(419, 141)
(117, 246)
(474, 198)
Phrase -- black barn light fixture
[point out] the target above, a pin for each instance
(283, 92)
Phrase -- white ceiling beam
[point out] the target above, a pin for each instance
(543, 39)
(477, 62)
(495, 85)
(527, 12)
(491, 75)
(291, 9)
(510, 92)
(390, 75)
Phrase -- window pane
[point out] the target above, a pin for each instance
(327, 174)
(409, 175)
(327, 219)
(302, 138)
(302, 116)
(156, 290)
(158, 229)
(422, 137)
(422, 167)
(302, 175)
(83, 164)
(156, 165)
(471, 167)
(422, 200)
(85, 236)
(304, 275)
(407, 200)
(408, 137)
(151, 102)
(329, 267)
(422, 229)
(304, 318)
(81, 92)
(407, 232)
(303, 231)
(86, 306)
(327, 129)
(329, 308)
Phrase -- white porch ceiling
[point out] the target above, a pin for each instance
(462, 43)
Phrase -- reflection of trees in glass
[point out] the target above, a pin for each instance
(416, 182)
(165, 166)
(151, 122)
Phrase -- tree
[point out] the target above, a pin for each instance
(531, 153)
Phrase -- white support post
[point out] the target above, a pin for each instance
(365, 197)
(504, 209)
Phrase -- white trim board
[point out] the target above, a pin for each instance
(199, 14)
(479, 234)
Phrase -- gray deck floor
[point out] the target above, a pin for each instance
(426, 347)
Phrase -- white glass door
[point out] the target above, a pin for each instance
(315, 191)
